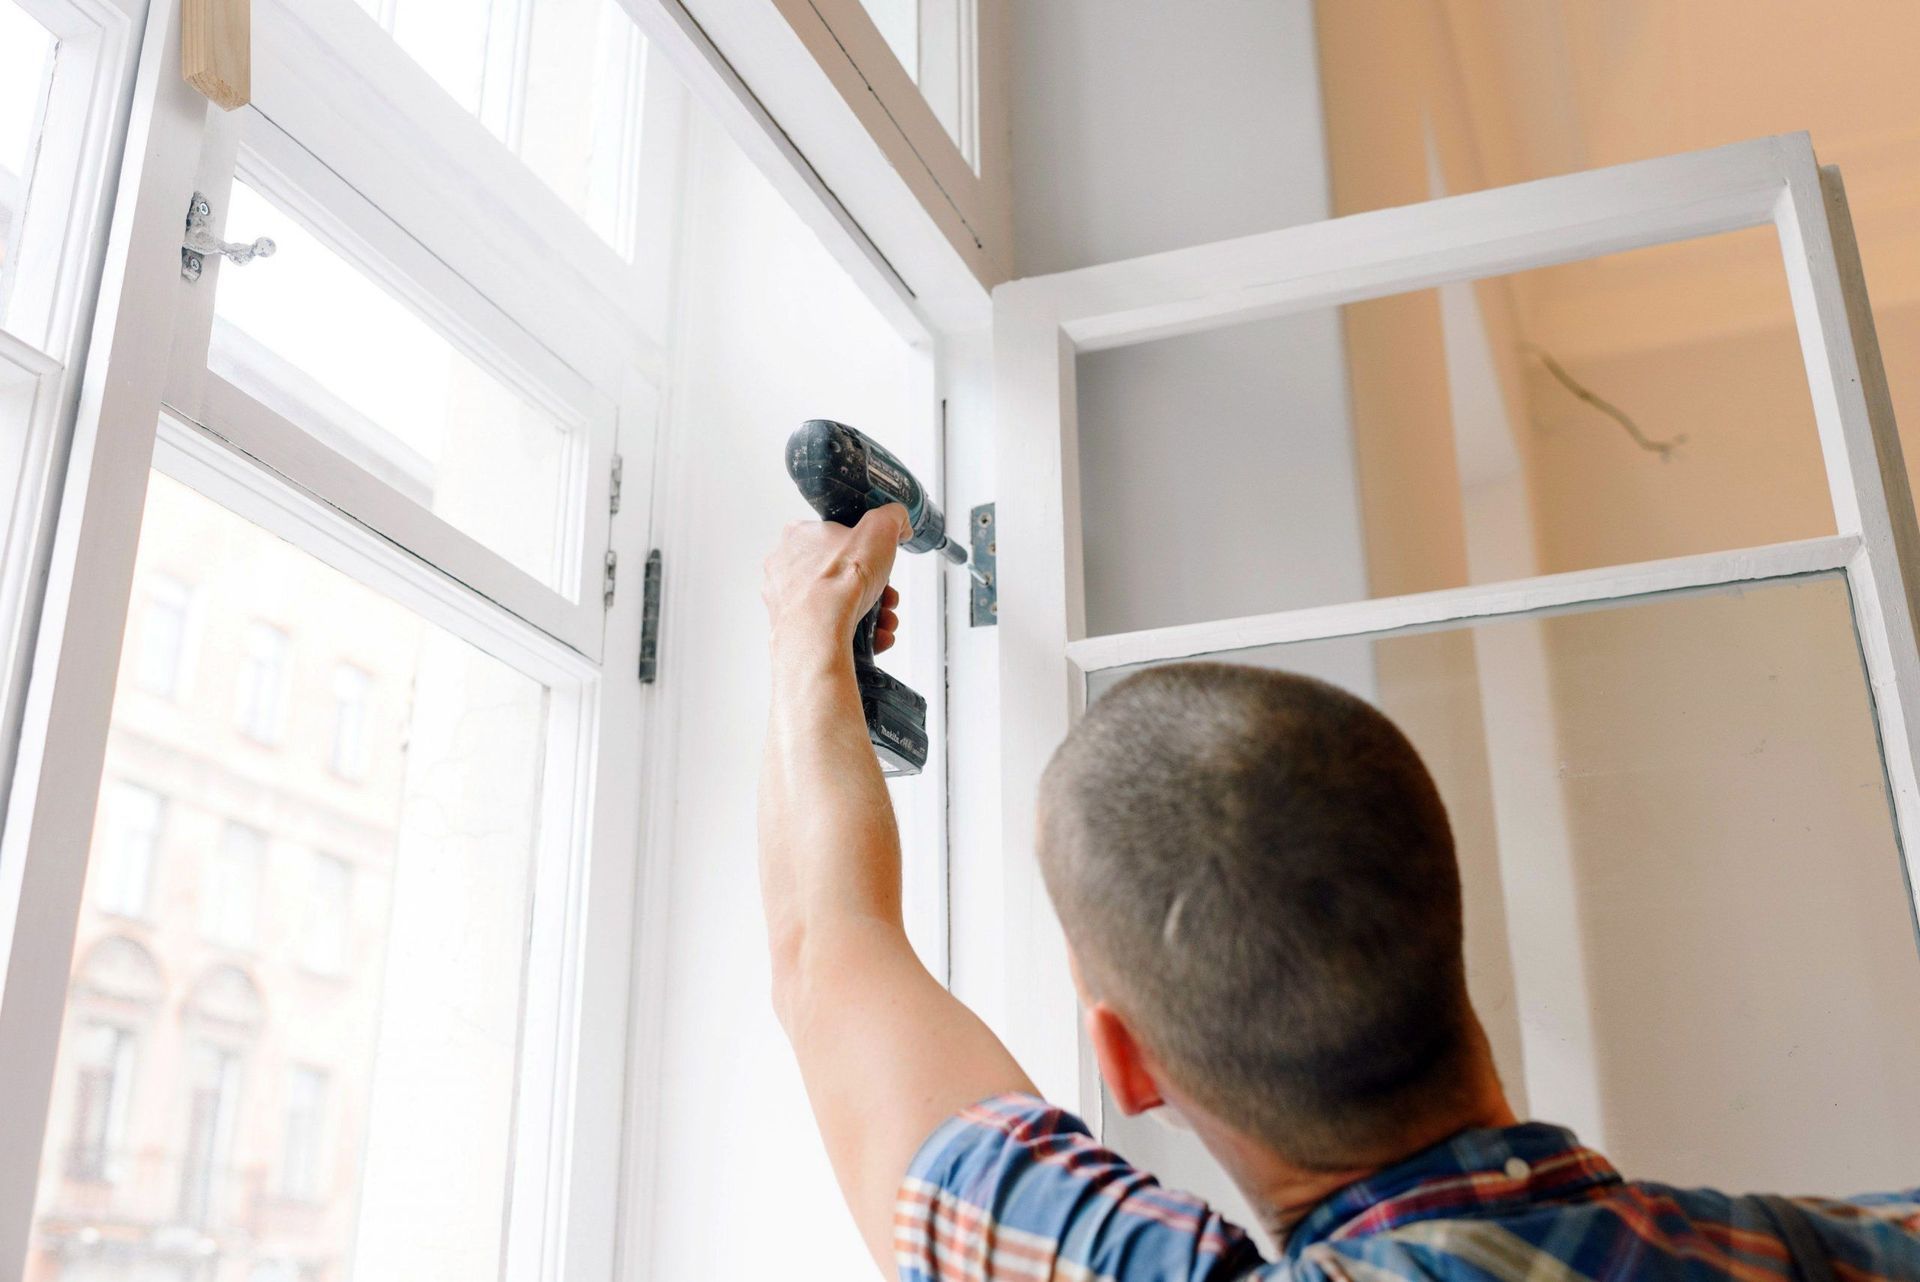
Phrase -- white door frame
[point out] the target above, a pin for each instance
(1042, 323)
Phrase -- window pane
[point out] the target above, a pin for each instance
(561, 88)
(129, 842)
(163, 636)
(321, 1009)
(26, 70)
(580, 121)
(1628, 408)
(934, 41)
(1680, 874)
(449, 38)
(322, 344)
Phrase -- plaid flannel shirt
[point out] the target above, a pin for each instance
(1013, 1188)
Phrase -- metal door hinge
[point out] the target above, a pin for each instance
(606, 582)
(983, 603)
(650, 620)
(200, 241)
(613, 486)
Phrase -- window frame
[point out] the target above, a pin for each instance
(151, 325)
(1042, 323)
(82, 132)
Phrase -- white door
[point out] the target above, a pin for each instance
(1560, 740)
(345, 590)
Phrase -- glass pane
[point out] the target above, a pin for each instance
(561, 88)
(26, 71)
(580, 117)
(1633, 407)
(447, 37)
(934, 41)
(293, 1025)
(1682, 884)
(316, 340)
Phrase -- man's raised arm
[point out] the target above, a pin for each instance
(886, 1052)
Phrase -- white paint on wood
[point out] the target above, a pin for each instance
(1393, 251)
(1387, 615)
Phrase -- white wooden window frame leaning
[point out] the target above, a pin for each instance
(148, 351)
(69, 198)
(1042, 323)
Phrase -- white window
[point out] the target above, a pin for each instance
(161, 659)
(350, 690)
(66, 68)
(26, 74)
(261, 706)
(131, 822)
(209, 1184)
(303, 1155)
(103, 1080)
(328, 914)
(230, 887)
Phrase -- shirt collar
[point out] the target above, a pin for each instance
(1477, 1171)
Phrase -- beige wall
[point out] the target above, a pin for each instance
(1712, 762)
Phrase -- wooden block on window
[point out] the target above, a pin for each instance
(216, 56)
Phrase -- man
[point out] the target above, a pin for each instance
(1258, 888)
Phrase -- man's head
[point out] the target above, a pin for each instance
(1256, 876)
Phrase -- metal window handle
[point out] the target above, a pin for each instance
(200, 241)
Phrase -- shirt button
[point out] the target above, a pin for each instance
(1517, 1169)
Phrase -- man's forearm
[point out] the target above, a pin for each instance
(886, 1053)
(830, 851)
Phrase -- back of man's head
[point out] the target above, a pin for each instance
(1255, 870)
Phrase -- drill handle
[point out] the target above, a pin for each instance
(863, 633)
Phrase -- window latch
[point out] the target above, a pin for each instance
(200, 241)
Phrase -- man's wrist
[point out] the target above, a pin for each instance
(811, 631)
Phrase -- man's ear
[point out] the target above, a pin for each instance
(1123, 1062)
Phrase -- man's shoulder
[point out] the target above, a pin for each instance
(1013, 1187)
(1636, 1229)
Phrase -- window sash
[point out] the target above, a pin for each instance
(290, 173)
(1042, 324)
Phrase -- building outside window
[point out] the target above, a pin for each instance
(161, 666)
(213, 1097)
(263, 682)
(128, 849)
(103, 1055)
(350, 691)
(303, 1156)
(329, 916)
(230, 887)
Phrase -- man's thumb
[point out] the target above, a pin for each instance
(890, 523)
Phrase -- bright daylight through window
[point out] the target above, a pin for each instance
(294, 1021)
(396, 396)
(560, 85)
(26, 69)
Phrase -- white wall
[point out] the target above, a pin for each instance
(770, 332)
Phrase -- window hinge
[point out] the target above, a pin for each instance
(983, 603)
(200, 241)
(650, 620)
(613, 486)
(606, 583)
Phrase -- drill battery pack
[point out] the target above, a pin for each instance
(896, 722)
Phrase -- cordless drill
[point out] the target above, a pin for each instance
(844, 475)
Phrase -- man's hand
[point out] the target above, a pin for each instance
(887, 1053)
(824, 577)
